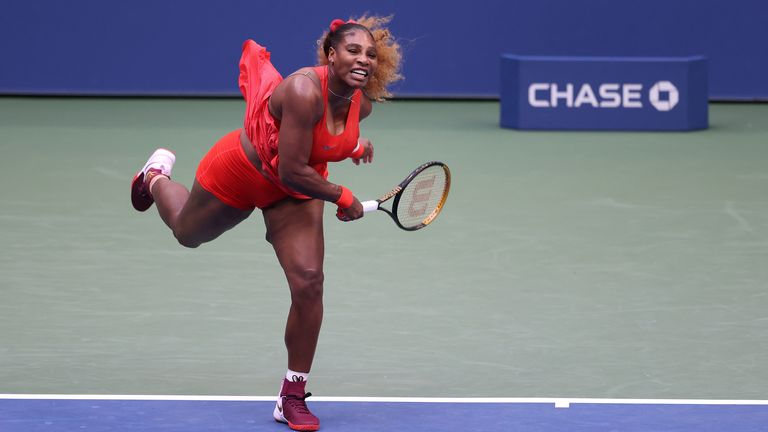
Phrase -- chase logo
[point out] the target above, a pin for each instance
(604, 93)
(664, 96)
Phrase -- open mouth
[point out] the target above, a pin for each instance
(362, 73)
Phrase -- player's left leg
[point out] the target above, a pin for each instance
(295, 230)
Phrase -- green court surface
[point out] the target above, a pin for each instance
(565, 264)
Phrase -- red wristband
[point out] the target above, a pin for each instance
(346, 199)
(357, 153)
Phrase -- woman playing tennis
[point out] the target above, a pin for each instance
(278, 162)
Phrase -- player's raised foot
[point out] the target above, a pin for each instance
(291, 407)
(160, 163)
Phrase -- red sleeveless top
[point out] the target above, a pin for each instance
(258, 79)
(334, 148)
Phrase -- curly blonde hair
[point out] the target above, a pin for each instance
(387, 48)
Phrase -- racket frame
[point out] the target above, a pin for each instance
(397, 193)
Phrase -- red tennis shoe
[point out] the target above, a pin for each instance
(291, 407)
(160, 163)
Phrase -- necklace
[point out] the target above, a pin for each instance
(349, 98)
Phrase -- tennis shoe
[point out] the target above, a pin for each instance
(291, 407)
(160, 163)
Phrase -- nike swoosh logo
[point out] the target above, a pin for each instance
(279, 407)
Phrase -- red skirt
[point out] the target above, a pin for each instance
(226, 172)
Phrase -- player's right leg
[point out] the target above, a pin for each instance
(197, 216)
(226, 190)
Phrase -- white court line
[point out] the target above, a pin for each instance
(558, 402)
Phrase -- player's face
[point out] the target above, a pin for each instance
(355, 59)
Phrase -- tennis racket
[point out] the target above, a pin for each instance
(418, 199)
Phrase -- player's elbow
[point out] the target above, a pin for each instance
(291, 178)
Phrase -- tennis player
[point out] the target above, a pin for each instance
(278, 162)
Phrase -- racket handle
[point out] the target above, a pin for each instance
(369, 206)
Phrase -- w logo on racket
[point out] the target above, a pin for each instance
(422, 190)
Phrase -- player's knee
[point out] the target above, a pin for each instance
(186, 240)
(307, 286)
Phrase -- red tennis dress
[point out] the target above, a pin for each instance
(226, 172)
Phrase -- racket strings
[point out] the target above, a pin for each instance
(423, 197)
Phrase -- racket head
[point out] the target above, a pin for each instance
(422, 196)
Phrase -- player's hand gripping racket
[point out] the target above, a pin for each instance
(418, 199)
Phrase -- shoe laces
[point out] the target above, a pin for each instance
(298, 403)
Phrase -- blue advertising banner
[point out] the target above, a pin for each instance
(192, 48)
(604, 93)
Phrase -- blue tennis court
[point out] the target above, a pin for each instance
(65, 415)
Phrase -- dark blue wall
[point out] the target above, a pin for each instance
(163, 47)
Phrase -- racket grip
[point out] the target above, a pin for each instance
(369, 206)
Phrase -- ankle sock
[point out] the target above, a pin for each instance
(154, 180)
(296, 376)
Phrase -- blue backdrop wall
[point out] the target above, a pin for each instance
(452, 49)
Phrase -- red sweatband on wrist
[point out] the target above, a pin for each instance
(357, 153)
(346, 199)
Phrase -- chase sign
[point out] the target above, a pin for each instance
(616, 93)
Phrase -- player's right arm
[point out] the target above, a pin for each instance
(302, 107)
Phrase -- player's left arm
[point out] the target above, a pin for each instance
(365, 151)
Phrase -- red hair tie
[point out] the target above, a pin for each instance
(335, 24)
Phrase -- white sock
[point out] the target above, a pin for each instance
(296, 376)
(155, 179)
